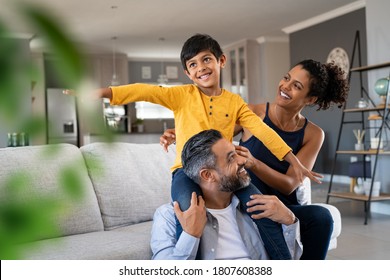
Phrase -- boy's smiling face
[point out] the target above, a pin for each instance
(204, 69)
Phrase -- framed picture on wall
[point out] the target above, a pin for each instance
(146, 72)
(172, 72)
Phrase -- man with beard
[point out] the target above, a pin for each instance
(214, 227)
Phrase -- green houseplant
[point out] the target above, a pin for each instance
(26, 218)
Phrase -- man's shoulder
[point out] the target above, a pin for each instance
(166, 211)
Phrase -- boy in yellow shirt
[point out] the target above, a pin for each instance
(205, 105)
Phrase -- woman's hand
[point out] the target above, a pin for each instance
(244, 152)
(168, 138)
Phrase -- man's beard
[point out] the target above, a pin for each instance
(234, 182)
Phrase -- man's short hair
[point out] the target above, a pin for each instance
(199, 43)
(197, 153)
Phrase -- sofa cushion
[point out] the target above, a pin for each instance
(130, 180)
(127, 243)
(41, 173)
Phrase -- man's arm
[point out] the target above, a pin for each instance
(163, 242)
(275, 210)
(271, 207)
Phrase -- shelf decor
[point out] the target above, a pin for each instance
(381, 87)
(359, 134)
(374, 150)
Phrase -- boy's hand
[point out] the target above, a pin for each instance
(308, 173)
(301, 171)
(244, 152)
(69, 92)
(194, 219)
(168, 138)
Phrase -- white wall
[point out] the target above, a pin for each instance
(378, 51)
(274, 63)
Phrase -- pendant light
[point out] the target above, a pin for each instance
(162, 78)
(114, 80)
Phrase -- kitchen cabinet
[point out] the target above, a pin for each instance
(242, 71)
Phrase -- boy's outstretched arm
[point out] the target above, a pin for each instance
(96, 94)
(301, 171)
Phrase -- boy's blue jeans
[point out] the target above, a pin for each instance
(270, 231)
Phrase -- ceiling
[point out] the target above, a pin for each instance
(139, 24)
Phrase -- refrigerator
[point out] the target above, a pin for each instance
(62, 126)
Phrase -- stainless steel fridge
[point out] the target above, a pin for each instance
(62, 126)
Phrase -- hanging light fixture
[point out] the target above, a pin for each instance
(162, 78)
(114, 80)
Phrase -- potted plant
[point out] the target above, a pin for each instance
(140, 125)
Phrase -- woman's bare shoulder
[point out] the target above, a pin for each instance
(314, 131)
(258, 109)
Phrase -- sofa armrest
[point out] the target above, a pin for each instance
(304, 198)
(304, 192)
(336, 223)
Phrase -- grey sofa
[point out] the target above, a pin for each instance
(109, 215)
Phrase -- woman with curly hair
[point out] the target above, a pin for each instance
(308, 83)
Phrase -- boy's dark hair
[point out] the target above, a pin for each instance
(197, 44)
(197, 153)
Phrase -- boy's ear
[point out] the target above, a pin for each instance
(222, 60)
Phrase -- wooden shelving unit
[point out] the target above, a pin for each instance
(383, 117)
(360, 197)
(366, 152)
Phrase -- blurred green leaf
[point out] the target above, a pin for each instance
(13, 69)
(23, 217)
(71, 181)
(34, 126)
(70, 66)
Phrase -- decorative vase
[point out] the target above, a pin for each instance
(381, 87)
(140, 128)
(359, 147)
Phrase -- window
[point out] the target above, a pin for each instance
(147, 110)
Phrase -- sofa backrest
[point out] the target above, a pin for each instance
(130, 180)
(48, 182)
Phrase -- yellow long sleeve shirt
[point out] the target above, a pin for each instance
(194, 112)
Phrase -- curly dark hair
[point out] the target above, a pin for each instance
(328, 83)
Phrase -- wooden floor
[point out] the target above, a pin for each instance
(357, 241)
